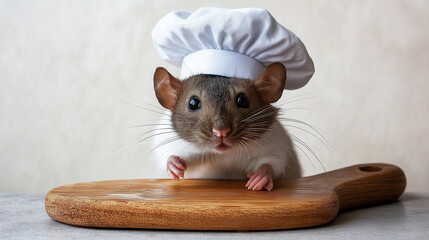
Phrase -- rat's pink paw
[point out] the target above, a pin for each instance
(261, 179)
(176, 167)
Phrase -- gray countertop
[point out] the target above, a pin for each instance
(23, 217)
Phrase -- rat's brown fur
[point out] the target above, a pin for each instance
(219, 110)
(228, 140)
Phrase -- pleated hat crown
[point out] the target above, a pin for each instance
(232, 43)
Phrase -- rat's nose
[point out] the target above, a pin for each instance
(221, 132)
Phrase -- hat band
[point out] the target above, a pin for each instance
(220, 62)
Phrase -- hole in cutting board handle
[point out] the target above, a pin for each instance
(370, 169)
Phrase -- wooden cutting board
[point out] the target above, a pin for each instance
(224, 205)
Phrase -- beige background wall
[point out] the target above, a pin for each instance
(67, 67)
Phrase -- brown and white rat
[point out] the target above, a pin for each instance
(227, 128)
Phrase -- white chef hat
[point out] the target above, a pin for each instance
(231, 43)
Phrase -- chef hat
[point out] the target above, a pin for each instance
(231, 43)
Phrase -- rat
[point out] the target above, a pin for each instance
(230, 127)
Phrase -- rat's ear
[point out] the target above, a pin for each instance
(271, 83)
(167, 87)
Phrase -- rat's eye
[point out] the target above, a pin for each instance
(194, 104)
(242, 101)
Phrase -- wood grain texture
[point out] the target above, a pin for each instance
(224, 205)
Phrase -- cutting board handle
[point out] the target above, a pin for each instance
(367, 184)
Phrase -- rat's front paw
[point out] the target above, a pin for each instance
(261, 179)
(176, 167)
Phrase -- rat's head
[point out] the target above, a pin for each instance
(220, 114)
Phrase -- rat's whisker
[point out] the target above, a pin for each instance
(261, 112)
(167, 141)
(163, 143)
(306, 124)
(289, 101)
(252, 141)
(168, 152)
(298, 140)
(248, 143)
(245, 148)
(122, 128)
(153, 135)
(284, 133)
(255, 118)
(259, 130)
(121, 159)
(237, 151)
(141, 101)
(258, 111)
(202, 153)
(312, 152)
(312, 134)
(132, 145)
(260, 116)
(281, 110)
(242, 156)
(154, 130)
(315, 94)
(121, 149)
(255, 134)
(128, 148)
(308, 158)
(199, 155)
(149, 125)
(147, 109)
(261, 123)
(291, 152)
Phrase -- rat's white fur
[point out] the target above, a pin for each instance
(274, 147)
